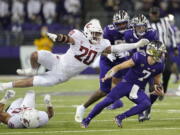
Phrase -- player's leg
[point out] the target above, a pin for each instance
(101, 92)
(117, 92)
(48, 60)
(15, 104)
(118, 103)
(142, 101)
(145, 115)
(29, 99)
(34, 66)
(44, 58)
(9, 94)
(115, 80)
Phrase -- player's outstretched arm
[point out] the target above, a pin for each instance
(62, 38)
(125, 46)
(127, 64)
(50, 109)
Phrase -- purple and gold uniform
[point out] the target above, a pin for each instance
(131, 37)
(136, 78)
(115, 37)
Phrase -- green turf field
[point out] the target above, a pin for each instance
(165, 115)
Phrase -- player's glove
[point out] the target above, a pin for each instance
(111, 57)
(142, 42)
(52, 36)
(47, 100)
(9, 94)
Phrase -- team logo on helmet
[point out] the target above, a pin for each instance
(140, 24)
(93, 31)
(121, 20)
(156, 49)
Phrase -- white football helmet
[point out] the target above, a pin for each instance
(30, 118)
(93, 31)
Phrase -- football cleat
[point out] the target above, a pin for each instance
(144, 116)
(27, 72)
(141, 117)
(9, 94)
(79, 113)
(118, 122)
(85, 122)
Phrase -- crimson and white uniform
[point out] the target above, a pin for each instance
(78, 57)
(21, 104)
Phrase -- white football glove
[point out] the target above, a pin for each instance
(142, 42)
(9, 94)
(52, 36)
(47, 100)
(111, 57)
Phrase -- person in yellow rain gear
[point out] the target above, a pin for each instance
(44, 43)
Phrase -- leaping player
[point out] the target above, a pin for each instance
(84, 48)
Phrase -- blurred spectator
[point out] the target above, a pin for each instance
(73, 9)
(174, 6)
(164, 7)
(18, 11)
(16, 34)
(49, 11)
(33, 11)
(146, 5)
(111, 5)
(4, 14)
(43, 43)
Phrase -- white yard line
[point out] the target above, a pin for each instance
(72, 121)
(88, 131)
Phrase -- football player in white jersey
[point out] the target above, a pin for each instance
(84, 48)
(22, 113)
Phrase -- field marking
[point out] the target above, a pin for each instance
(83, 130)
(117, 112)
(70, 121)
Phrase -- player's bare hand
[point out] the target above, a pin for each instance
(109, 74)
(52, 36)
(142, 42)
(158, 90)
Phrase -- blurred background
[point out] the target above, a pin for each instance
(23, 23)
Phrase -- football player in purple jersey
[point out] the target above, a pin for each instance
(143, 66)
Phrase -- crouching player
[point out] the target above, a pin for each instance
(22, 113)
(143, 66)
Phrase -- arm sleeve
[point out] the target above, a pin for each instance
(136, 58)
(155, 35)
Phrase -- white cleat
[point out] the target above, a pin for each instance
(26, 72)
(9, 94)
(79, 113)
(47, 99)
